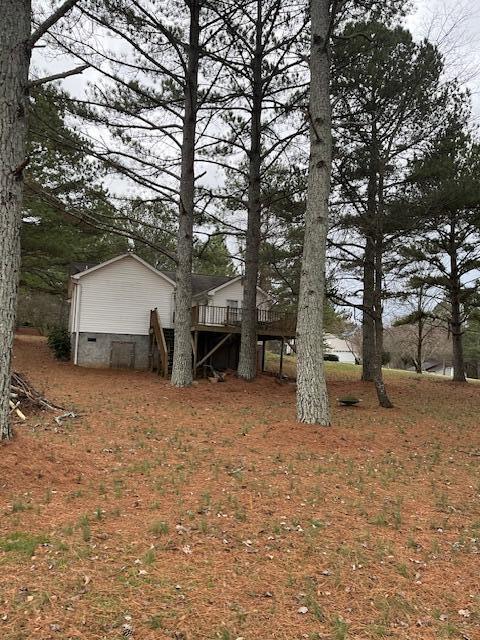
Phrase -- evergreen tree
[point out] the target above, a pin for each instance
(51, 240)
(16, 43)
(389, 102)
(212, 257)
(444, 196)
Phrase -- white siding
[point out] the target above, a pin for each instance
(234, 291)
(340, 348)
(118, 298)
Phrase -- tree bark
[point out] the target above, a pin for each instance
(14, 66)
(383, 399)
(457, 337)
(312, 398)
(247, 365)
(420, 337)
(182, 355)
(368, 322)
(456, 324)
(371, 225)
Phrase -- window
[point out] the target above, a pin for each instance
(232, 303)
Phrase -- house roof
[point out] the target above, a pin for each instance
(78, 267)
(201, 283)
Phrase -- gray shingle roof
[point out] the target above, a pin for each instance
(202, 282)
(78, 267)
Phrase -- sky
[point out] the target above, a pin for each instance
(455, 26)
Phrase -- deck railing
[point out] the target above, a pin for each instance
(267, 319)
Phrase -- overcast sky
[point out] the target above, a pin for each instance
(455, 26)
(452, 24)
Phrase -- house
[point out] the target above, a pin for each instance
(339, 347)
(122, 314)
(437, 367)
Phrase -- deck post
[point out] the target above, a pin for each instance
(281, 357)
(263, 354)
(195, 351)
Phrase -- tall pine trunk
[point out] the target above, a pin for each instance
(14, 65)
(383, 399)
(182, 355)
(368, 322)
(247, 365)
(312, 399)
(420, 337)
(457, 338)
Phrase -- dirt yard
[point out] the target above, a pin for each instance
(210, 514)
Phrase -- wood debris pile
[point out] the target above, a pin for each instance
(24, 396)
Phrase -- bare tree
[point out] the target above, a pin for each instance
(16, 44)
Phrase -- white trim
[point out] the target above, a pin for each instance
(213, 291)
(77, 276)
(265, 294)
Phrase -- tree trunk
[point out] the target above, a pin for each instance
(247, 365)
(420, 338)
(368, 322)
(182, 354)
(312, 398)
(14, 65)
(457, 338)
(383, 399)
(371, 228)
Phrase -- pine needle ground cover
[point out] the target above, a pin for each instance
(210, 514)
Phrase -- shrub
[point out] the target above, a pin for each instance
(330, 357)
(59, 342)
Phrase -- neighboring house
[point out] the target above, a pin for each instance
(440, 368)
(340, 348)
(122, 315)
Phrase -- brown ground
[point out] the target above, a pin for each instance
(209, 513)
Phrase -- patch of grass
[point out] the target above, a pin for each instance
(84, 525)
(159, 528)
(403, 569)
(22, 543)
(339, 629)
(156, 622)
(18, 506)
(149, 557)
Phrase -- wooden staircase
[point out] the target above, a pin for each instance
(158, 345)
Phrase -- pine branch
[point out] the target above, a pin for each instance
(58, 76)
(49, 22)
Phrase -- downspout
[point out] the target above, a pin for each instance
(78, 291)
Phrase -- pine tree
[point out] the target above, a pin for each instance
(390, 102)
(16, 43)
(444, 196)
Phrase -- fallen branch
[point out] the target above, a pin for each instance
(23, 393)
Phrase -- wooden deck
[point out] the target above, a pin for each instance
(270, 322)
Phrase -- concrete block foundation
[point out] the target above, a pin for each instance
(112, 350)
